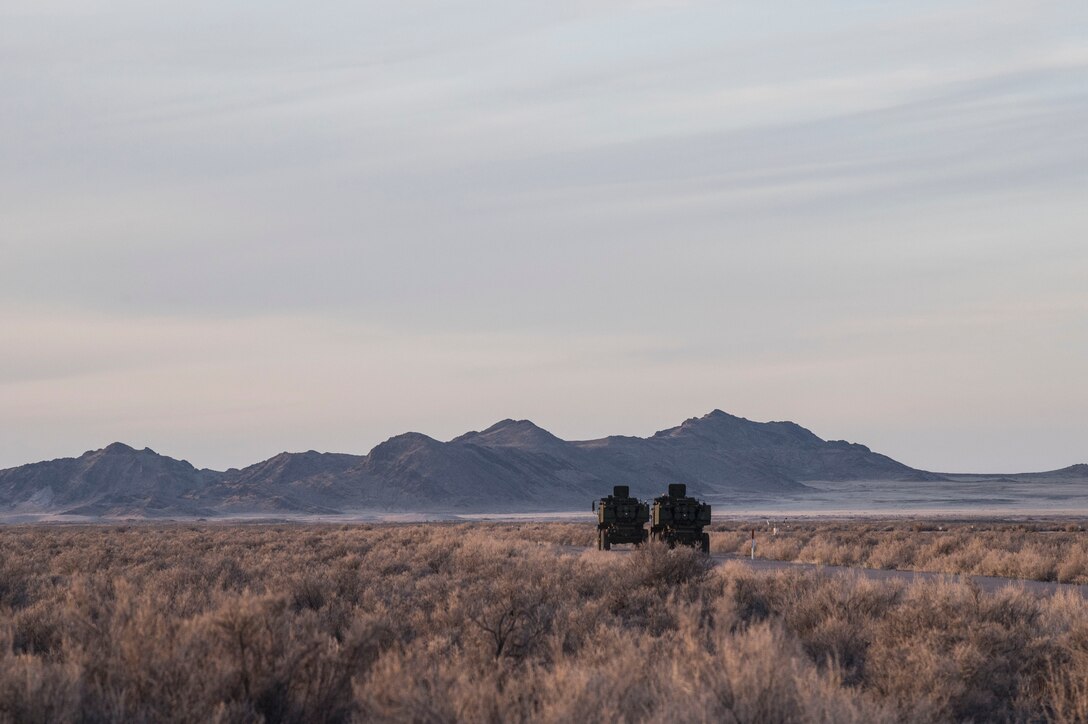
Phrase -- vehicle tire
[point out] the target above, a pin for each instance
(706, 543)
(605, 542)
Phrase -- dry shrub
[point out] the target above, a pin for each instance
(781, 548)
(512, 616)
(1042, 552)
(1034, 564)
(1074, 567)
(892, 554)
(507, 622)
(655, 565)
(32, 690)
(951, 653)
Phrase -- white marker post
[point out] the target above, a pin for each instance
(753, 544)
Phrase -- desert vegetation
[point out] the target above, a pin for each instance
(498, 623)
(1053, 551)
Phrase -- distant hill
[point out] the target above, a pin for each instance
(116, 480)
(513, 465)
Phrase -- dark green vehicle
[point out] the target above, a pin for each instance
(621, 519)
(679, 519)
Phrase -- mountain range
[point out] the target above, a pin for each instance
(514, 465)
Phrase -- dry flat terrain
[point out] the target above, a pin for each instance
(505, 622)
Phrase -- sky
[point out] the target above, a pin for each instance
(229, 229)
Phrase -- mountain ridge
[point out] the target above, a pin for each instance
(513, 465)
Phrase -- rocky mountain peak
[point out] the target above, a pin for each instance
(511, 433)
(399, 445)
(118, 448)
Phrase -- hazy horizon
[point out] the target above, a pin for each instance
(230, 231)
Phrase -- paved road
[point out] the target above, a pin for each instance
(990, 584)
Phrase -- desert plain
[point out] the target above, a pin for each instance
(523, 621)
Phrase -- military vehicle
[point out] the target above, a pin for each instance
(621, 519)
(679, 519)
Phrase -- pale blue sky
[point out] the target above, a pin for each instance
(230, 229)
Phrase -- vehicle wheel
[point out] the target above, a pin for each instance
(605, 542)
(706, 543)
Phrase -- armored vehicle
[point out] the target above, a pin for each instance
(621, 519)
(678, 518)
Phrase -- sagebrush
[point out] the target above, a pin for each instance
(1037, 551)
(498, 623)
